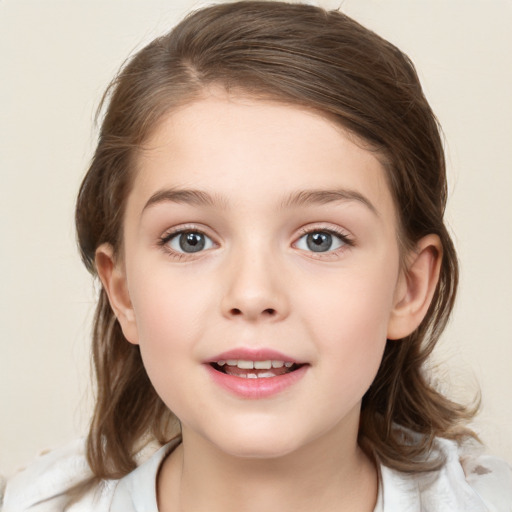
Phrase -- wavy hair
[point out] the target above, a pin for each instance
(304, 56)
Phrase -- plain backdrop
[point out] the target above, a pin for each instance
(56, 58)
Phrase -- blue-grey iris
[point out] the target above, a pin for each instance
(319, 242)
(192, 241)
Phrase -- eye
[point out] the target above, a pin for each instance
(321, 241)
(189, 242)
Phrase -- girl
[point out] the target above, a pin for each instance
(265, 213)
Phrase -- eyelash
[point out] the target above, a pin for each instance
(338, 233)
(347, 241)
(164, 240)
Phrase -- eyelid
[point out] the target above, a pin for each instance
(188, 226)
(327, 228)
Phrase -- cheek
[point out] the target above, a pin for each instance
(166, 306)
(167, 334)
(354, 303)
(172, 313)
(350, 327)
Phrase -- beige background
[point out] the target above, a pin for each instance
(56, 58)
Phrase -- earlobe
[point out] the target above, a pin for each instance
(416, 287)
(113, 278)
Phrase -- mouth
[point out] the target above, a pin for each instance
(249, 369)
(255, 373)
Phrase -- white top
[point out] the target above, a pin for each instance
(469, 483)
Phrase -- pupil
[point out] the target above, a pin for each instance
(192, 242)
(319, 242)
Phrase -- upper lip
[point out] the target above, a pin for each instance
(253, 354)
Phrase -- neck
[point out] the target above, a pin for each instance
(326, 475)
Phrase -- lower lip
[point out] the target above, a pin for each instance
(256, 388)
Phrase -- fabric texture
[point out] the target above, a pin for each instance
(467, 483)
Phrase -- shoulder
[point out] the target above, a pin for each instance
(42, 486)
(468, 482)
(490, 478)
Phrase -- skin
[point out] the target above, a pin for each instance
(258, 284)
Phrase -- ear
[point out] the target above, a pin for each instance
(416, 287)
(113, 277)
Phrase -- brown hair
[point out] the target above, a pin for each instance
(309, 57)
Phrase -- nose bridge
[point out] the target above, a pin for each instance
(254, 283)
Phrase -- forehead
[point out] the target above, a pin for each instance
(248, 150)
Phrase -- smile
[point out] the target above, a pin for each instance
(255, 374)
(247, 369)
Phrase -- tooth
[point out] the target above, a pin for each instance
(288, 364)
(252, 376)
(277, 364)
(263, 365)
(265, 375)
(245, 365)
(231, 362)
(242, 375)
(221, 362)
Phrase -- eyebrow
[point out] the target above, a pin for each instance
(319, 197)
(187, 196)
(299, 198)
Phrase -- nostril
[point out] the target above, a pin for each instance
(265, 312)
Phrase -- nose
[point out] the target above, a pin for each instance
(255, 289)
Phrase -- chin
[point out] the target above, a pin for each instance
(263, 450)
(258, 443)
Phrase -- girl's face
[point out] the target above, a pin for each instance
(258, 234)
